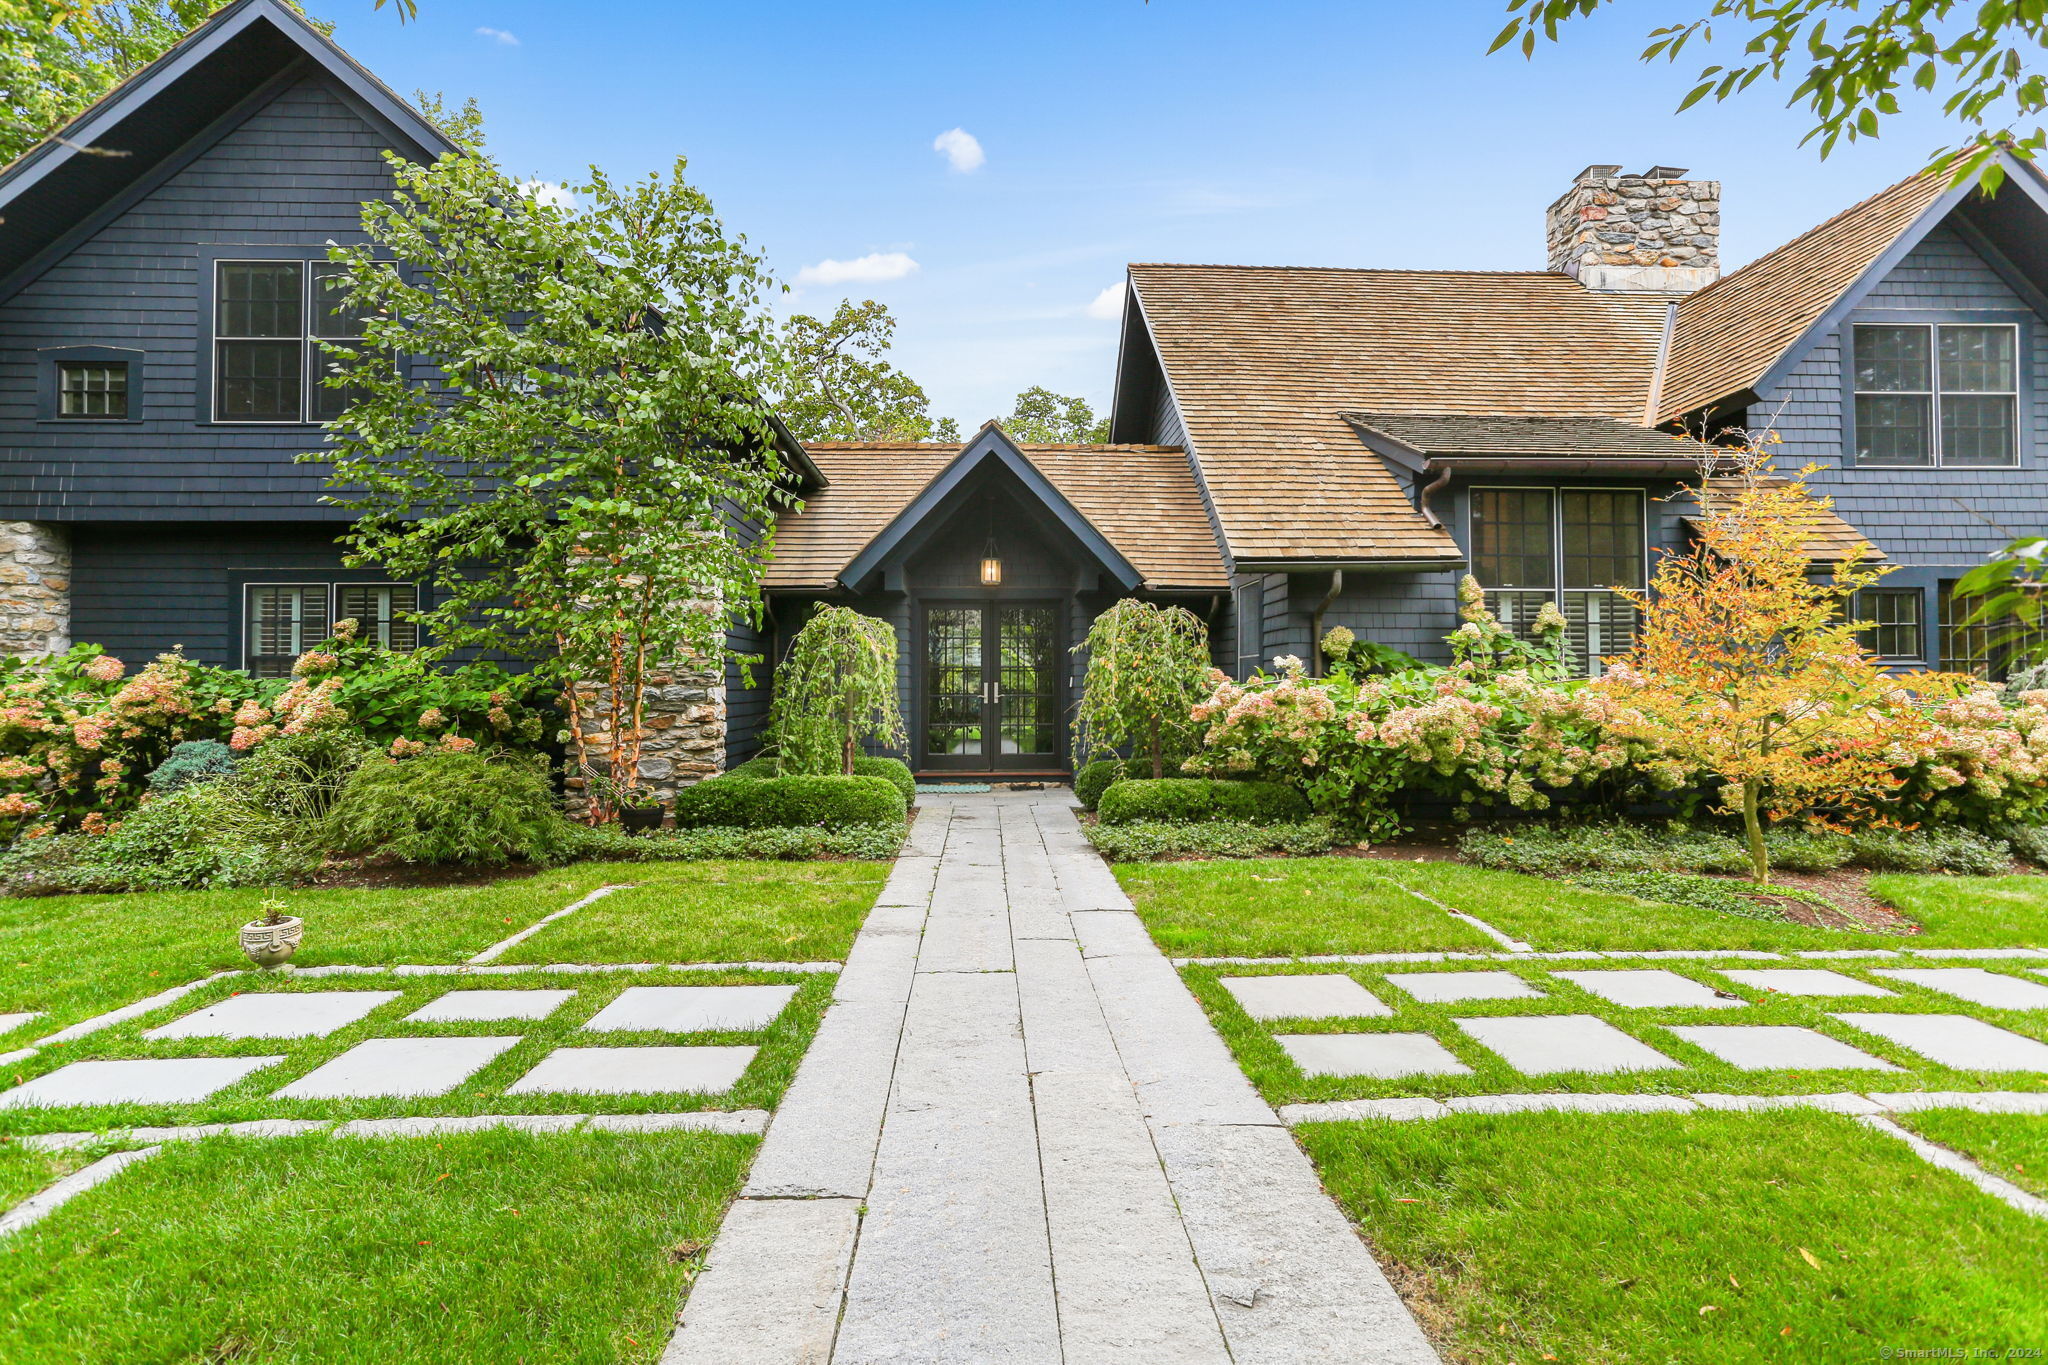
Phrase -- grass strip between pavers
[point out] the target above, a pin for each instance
(1254, 907)
(1640, 1240)
(2012, 1147)
(473, 1249)
(781, 1045)
(1282, 1082)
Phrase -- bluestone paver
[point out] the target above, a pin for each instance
(770, 1286)
(1815, 981)
(398, 1068)
(15, 1019)
(169, 1080)
(1443, 988)
(1778, 1047)
(1371, 1054)
(1540, 1045)
(1324, 996)
(480, 1006)
(1995, 990)
(691, 1009)
(1956, 1040)
(276, 1014)
(635, 1071)
(1648, 988)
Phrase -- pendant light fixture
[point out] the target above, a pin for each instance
(991, 558)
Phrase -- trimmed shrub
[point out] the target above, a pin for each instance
(1145, 839)
(195, 838)
(196, 760)
(298, 778)
(447, 807)
(1095, 778)
(610, 844)
(754, 802)
(1187, 800)
(894, 769)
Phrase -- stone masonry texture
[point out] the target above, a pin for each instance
(35, 588)
(1637, 232)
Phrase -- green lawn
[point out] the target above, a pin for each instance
(77, 956)
(1640, 1240)
(23, 1172)
(1258, 1050)
(492, 1248)
(2014, 1146)
(717, 912)
(1276, 907)
(781, 1047)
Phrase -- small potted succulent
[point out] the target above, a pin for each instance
(274, 937)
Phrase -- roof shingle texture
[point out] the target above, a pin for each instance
(1141, 498)
(1264, 362)
(1730, 333)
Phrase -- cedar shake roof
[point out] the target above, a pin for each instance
(1141, 498)
(1730, 333)
(1534, 437)
(1264, 363)
(1828, 538)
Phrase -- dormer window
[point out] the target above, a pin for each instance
(1937, 394)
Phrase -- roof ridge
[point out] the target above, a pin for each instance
(1355, 270)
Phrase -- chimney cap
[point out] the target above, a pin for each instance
(1665, 173)
(1596, 173)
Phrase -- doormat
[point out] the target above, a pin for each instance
(957, 788)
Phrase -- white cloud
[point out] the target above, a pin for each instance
(872, 268)
(1109, 303)
(961, 149)
(508, 39)
(548, 192)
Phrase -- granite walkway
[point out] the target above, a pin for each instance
(1016, 1138)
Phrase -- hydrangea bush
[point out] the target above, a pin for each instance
(80, 733)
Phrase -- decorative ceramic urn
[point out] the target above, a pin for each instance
(268, 945)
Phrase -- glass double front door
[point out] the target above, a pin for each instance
(991, 686)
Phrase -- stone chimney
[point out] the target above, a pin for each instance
(1656, 232)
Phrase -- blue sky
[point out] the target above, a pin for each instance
(1266, 132)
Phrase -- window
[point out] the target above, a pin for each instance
(1894, 617)
(284, 621)
(269, 320)
(1979, 647)
(1937, 395)
(281, 621)
(93, 390)
(1533, 547)
(381, 613)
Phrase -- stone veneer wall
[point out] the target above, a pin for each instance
(35, 588)
(684, 714)
(1637, 232)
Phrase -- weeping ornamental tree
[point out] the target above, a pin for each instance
(836, 688)
(1148, 666)
(569, 430)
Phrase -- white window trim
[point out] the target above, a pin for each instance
(1936, 456)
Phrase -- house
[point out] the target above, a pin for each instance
(1292, 449)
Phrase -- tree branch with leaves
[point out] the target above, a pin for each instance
(835, 688)
(1148, 668)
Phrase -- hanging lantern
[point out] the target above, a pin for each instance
(991, 564)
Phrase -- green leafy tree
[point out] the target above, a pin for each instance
(839, 387)
(571, 433)
(1853, 61)
(58, 56)
(2008, 593)
(1148, 666)
(1044, 417)
(836, 687)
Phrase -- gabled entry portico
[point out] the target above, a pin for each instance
(991, 561)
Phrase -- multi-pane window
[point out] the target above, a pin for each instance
(93, 389)
(269, 318)
(1943, 394)
(1570, 547)
(281, 621)
(1990, 649)
(1894, 626)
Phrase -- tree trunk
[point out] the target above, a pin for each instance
(1158, 758)
(1753, 830)
(852, 745)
